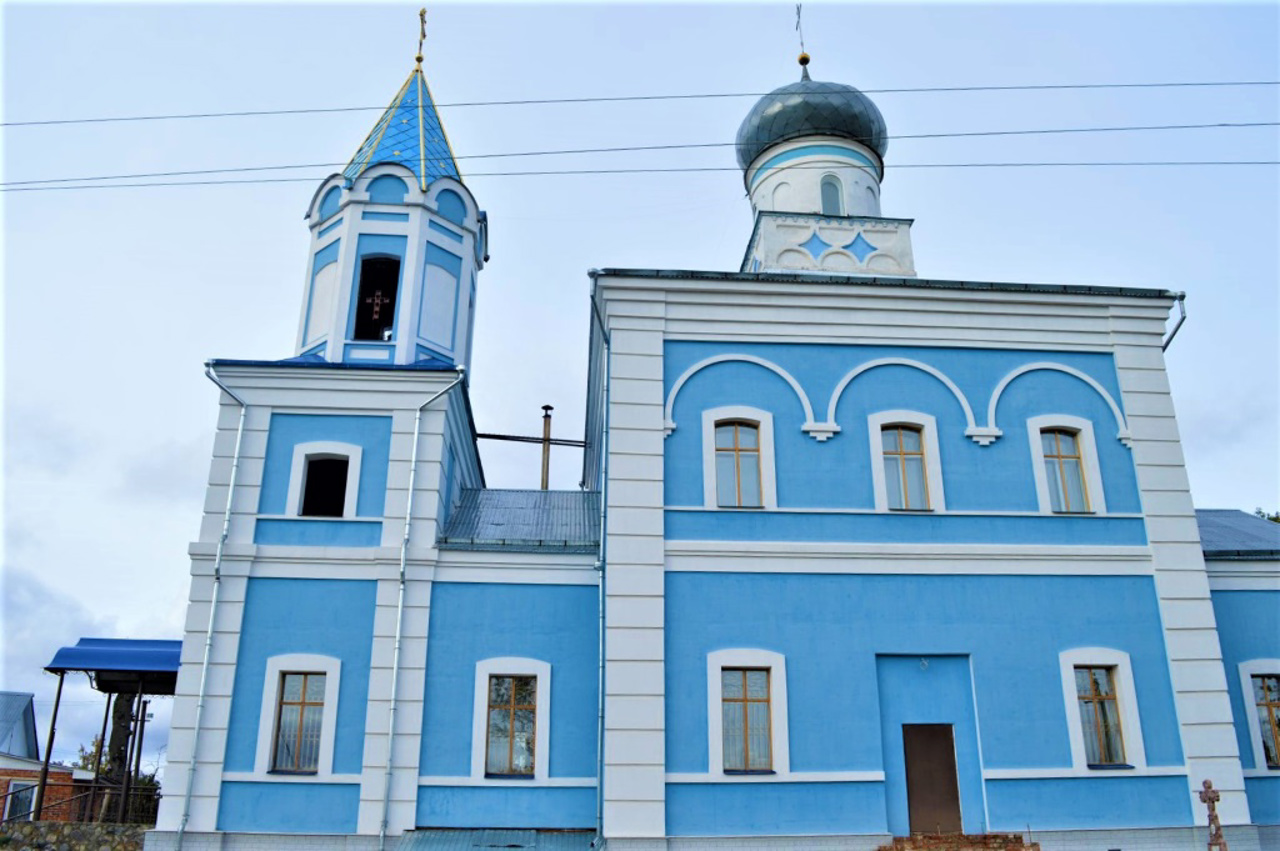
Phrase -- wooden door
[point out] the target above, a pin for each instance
(933, 792)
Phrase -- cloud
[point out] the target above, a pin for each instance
(38, 620)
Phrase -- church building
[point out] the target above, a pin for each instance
(859, 554)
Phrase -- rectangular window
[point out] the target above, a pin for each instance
(1064, 471)
(513, 704)
(738, 465)
(906, 486)
(1266, 696)
(298, 717)
(744, 699)
(21, 801)
(324, 489)
(1099, 716)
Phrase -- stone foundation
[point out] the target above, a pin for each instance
(71, 836)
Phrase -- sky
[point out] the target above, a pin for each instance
(113, 298)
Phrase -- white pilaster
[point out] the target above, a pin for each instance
(1190, 630)
(635, 739)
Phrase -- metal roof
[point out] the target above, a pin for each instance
(18, 725)
(880, 281)
(465, 840)
(123, 664)
(811, 108)
(1232, 534)
(524, 521)
(408, 133)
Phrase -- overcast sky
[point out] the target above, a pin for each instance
(113, 298)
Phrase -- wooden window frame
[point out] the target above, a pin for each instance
(738, 451)
(1094, 700)
(901, 454)
(1064, 493)
(746, 716)
(512, 707)
(1273, 719)
(302, 703)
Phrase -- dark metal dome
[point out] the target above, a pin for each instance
(811, 108)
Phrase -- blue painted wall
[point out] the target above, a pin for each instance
(831, 629)
(330, 617)
(739, 809)
(310, 532)
(544, 807)
(471, 622)
(928, 690)
(330, 202)
(1249, 628)
(388, 189)
(371, 434)
(1085, 804)
(451, 206)
(289, 807)
(837, 473)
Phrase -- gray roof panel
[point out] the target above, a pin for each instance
(524, 521)
(1229, 533)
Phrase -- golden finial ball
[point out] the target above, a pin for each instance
(418, 58)
(804, 59)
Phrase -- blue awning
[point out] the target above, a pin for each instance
(123, 664)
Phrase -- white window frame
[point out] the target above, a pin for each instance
(768, 477)
(324, 449)
(512, 666)
(928, 426)
(16, 785)
(310, 663)
(1088, 461)
(1248, 670)
(780, 746)
(1135, 752)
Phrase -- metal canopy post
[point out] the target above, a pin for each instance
(128, 756)
(37, 811)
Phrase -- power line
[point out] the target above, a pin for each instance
(633, 98)
(677, 170)
(635, 148)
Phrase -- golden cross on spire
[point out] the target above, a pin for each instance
(422, 32)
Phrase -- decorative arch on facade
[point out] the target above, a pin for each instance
(670, 425)
(992, 431)
(830, 424)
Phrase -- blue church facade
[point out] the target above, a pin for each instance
(858, 554)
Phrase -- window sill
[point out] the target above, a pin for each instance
(317, 517)
(275, 772)
(911, 510)
(733, 772)
(488, 776)
(1111, 766)
(738, 507)
(1074, 513)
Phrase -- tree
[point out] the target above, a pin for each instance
(1274, 517)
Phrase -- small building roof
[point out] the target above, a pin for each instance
(123, 664)
(524, 521)
(18, 725)
(1227, 533)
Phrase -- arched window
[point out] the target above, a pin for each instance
(906, 485)
(1064, 470)
(832, 196)
(738, 464)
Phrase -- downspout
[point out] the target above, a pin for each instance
(213, 605)
(395, 656)
(600, 568)
(1182, 309)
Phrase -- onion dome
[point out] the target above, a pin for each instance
(811, 108)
